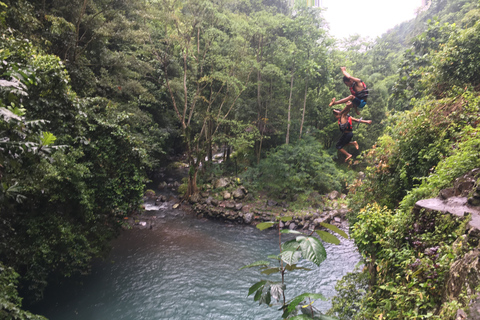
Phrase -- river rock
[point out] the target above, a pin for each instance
(227, 195)
(464, 184)
(271, 203)
(292, 226)
(333, 195)
(194, 198)
(248, 217)
(238, 207)
(150, 194)
(229, 205)
(222, 183)
(464, 275)
(214, 202)
(446, 193)
(238, 194)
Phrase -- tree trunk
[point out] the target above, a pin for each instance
(304, 106)
(289, 109)
(258, 144)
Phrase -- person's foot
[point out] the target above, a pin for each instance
(348, 157)
(355, 143)
(331, 103)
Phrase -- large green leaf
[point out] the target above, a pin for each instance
(270, 271)
(265, 225)
(256, 264)
(334, 229)
(290, 245)
(312, 249)
(327, 237)
(299, 299)
(290, 256)
(47, 138)
(285, 219)
(256, 286)
(292, 267)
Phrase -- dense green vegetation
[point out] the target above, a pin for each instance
(430, 140)
(95, 95)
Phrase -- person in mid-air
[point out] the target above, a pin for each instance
(358, 89)
(345, 125)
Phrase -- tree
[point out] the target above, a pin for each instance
(212, 72)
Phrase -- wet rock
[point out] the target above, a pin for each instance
(229, 205)
(271, 203)
(333, 195)
(194, 198)
(463, 276)
(162, 185)
(238, 194)
(464, 184)
(214, 202)
(238, 206)
(446, 193)
(474, 201)
(205, 194)
(150, 194)
(292, 226)
(222, 183)
(208, 201)
(227, 195)
(248, 218)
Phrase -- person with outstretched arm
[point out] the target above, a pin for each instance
(345, 125)
(358, 89)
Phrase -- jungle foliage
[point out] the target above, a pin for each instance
(95, 95)
(430, 140)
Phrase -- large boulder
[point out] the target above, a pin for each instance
(464, 276)
(333, 195)
(222, 183)
(238, 194)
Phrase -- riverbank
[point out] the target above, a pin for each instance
(229, 201)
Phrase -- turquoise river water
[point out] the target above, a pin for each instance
(188, 269)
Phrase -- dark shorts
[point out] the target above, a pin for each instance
(344, 140)
(359, 103)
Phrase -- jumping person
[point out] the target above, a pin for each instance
(345, 125)
(359, 91)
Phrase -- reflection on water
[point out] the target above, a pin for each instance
(187, 269)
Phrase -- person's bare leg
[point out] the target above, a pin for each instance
(348, 155)
(349, 98)
(355, 144)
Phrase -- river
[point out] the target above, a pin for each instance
(188, 269)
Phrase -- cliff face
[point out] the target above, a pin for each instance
(463, 279)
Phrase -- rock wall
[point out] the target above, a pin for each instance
(462, 199)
